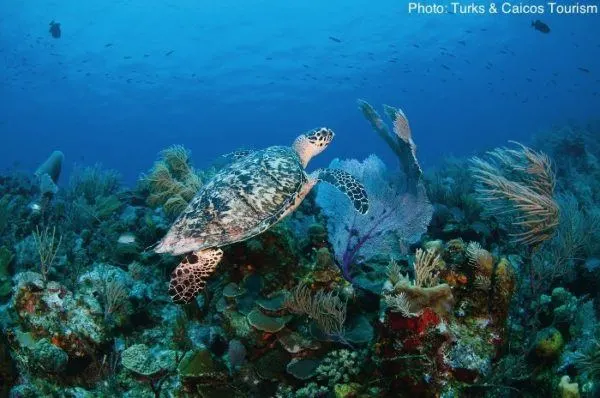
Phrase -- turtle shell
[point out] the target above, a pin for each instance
(240, 201)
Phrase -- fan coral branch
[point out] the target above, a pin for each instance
(426, 266)
(172, 181)
(519, 183)
(400, 303)
(114, 294)
(394, 272)
(325, 308)
(47, 246)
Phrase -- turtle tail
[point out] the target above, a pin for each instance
(189, 278)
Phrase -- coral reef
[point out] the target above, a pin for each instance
(480, 280)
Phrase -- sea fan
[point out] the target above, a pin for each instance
(394, 215)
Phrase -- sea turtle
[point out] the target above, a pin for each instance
(243, 200)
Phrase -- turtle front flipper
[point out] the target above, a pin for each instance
(189, 278)
(346, 183)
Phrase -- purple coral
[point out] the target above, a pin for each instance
(395, 215)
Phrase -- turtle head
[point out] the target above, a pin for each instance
(312, 143)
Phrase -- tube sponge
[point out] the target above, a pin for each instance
(399, 140)
(49, 172)
(52, 166)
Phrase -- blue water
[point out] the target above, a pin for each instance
(128, 78)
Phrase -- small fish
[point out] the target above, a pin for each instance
(539, 25)
(335, 39)
(169, 53)
(55, 29)
(445, 67)
(464, 43)
(108, 45)
(584, 70)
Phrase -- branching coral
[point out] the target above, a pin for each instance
(172, 181)
(47, 246)
(577, 232)
(411, 297)
(399, 303)
(340, 366)
(426, 267)
(394, 272)
(92, 196)
(114, 293)
(92, 183)
(519, 183)
(325, 308)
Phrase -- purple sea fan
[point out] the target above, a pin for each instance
(395, 216)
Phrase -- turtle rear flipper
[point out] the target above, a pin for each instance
(346, 183)
(189, 278)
